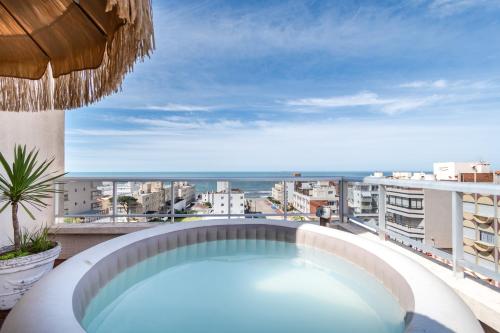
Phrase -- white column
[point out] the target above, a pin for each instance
(172, 202)
(285, 201)
(229, 200)
(40, 130)
(381, 211)
(115, 201)
(457, 233)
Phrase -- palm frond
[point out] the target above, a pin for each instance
(27, 180)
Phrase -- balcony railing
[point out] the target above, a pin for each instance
(170, 186)
(447, 247)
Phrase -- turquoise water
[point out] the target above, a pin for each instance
(244, 286)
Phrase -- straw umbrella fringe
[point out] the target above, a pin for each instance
(134, 39)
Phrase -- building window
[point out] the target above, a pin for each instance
(487, 237)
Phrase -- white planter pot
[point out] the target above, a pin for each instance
(18, 275)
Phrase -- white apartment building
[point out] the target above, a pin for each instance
(220, 200)
(405, 213)
(278, 191)
(81, 197)
(308, 196)
(363, 201)
(422, 215)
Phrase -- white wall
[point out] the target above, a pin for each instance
(44, 130)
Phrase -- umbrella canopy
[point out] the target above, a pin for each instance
(63, 54)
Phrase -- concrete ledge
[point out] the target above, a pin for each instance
(58, 301)
(100, 228)
(78, 237)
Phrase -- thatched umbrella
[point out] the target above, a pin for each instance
(62, 54)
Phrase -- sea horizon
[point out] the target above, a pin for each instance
(212, 174)
(252, 189)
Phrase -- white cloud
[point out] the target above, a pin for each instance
(406, 104)
(385, 105)
(257, 148)
(451, 7)
(168, 126)
(173, 107)
(426, 84)
(361, 99)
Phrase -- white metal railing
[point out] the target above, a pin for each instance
(457, 189)
(345, 213)
(114, 215)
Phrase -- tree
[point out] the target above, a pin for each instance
(27, 184)
(127, 202)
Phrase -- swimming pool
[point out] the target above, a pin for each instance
(245, 286)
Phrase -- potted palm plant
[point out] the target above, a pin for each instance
(26, 185)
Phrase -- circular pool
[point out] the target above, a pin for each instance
(240, 276)
(254, 285)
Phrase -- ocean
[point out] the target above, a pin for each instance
(252, 189)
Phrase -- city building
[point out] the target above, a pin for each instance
(278, 191)
(480, 212)
(82, 198)
(221, 200)
(425, 215)
(463, 171)
(122, 188)
(186, 192)
(422, 215)
(363, 201)
(151, 197)
(308, 196)
(481, 228)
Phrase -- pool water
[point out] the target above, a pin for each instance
(244, 286)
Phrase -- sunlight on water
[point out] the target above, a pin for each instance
(244, 286)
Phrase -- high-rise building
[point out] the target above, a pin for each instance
(421, 215)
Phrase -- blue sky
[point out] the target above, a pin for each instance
(302, 85)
